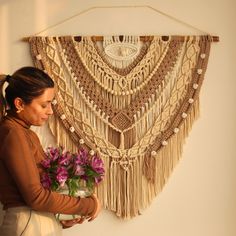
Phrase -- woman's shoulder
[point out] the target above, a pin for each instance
(7, 127)
(13, 134)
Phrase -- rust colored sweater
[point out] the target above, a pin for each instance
(20, 156)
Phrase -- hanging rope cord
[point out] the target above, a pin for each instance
(214, 38)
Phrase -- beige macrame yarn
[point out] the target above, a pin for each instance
(121, 51)
(135, 113)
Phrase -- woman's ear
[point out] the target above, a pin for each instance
(19, 104)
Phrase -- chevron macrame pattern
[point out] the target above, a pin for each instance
(134, 112)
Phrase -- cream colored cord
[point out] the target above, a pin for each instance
(113, 7)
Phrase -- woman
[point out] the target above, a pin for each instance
(29, 207)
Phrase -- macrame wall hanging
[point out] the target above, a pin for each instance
(131, 99)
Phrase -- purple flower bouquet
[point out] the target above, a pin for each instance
(75, 174)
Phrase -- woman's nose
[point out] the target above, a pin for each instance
(50, 110)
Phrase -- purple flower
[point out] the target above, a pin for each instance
(98, 179)
(61, 175)
(63, 167)
(97, 164)
(82, 157)
(79, 170)
(46, 180)
(46, 163)
(65, 159)
(53, 153)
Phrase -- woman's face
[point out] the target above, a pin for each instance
(37, 112)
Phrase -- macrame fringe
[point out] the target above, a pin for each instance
(151, 173)
(157, 169)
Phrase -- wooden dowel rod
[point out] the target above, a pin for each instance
(142, 38)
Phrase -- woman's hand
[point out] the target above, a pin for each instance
(97, 210)
(69, 223)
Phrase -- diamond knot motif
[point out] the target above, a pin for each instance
(121, 121)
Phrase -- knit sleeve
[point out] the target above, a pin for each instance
(20, 162)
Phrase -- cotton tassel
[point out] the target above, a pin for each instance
(119, 184)
(125, 197)
(101, 189)
(134, 185)
(120, 195)
(122, 144)
(149, 167)
(135, 181)
(138, 181)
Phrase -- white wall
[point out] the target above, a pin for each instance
(200, 197)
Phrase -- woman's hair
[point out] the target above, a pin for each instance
(26, 83)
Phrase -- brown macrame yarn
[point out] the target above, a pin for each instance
(136, 117)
